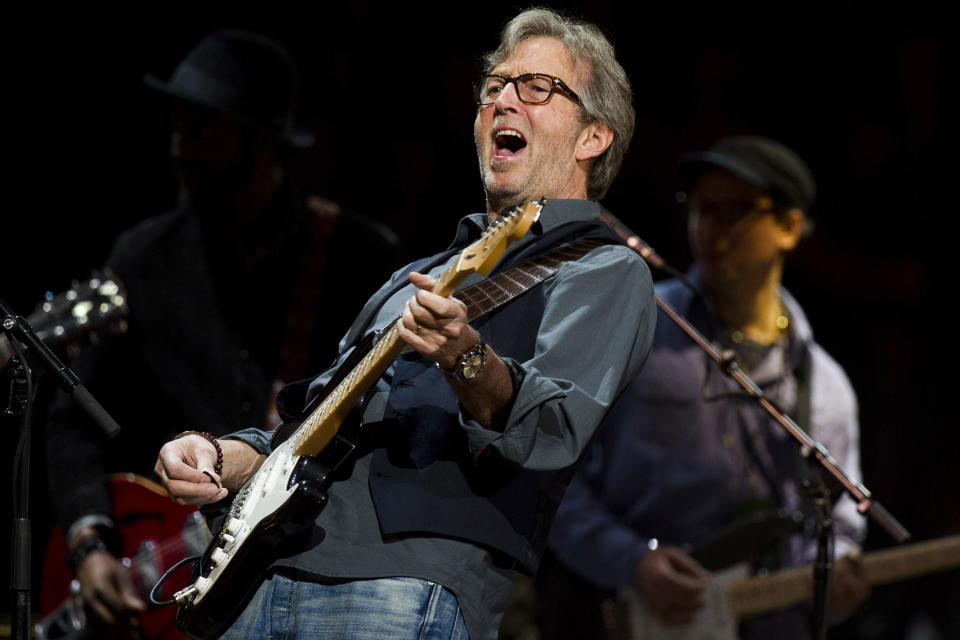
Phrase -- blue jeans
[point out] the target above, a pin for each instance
(383, 609)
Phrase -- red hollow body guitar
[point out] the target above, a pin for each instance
(156, 533)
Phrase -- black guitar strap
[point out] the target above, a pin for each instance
(487, 295)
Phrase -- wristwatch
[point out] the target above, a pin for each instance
(84, 548)
(469, 364)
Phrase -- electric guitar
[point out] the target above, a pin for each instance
(732, 594)
(155, 533)
(288, 491)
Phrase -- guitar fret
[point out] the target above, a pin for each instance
(756, 595)
(479, 298)
(324, 422)
(347, 386)
(518, 282)
(490, 293)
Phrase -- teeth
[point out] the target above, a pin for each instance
(508, 132)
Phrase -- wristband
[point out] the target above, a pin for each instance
(84, 548)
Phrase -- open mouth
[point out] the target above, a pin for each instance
(508, 142)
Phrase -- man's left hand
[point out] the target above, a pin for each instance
(849, 588)
(436, 327)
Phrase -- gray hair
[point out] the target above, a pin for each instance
(606, 98)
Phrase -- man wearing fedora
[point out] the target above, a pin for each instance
(685, 453)
(225, 295)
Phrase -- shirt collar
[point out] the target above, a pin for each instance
(555, 213)
(800, 328)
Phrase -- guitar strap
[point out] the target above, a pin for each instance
(480, 298)
(490, 293)
(487, 295)
(800, 416)
(802, 408)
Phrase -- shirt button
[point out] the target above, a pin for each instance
(728, 440)
(246, 406)
(244, 354)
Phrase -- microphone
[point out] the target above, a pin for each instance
(20, 329)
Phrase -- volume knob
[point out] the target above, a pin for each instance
(218, 556)
(233, 526)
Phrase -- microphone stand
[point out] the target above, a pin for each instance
(22, 337)
(810, 450)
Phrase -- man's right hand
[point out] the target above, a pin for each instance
(106, 589)
(185, 466)
(671, 583)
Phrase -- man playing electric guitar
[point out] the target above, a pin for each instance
(472, 433)
(684, 454)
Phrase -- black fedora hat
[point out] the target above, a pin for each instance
(244, 75)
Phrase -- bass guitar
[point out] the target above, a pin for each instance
(288, 491)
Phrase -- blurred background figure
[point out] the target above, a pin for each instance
(228, 299)
(688, 474)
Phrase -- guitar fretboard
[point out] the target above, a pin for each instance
(751, 596)
(324, 422)
(489, 294)
(317, 430)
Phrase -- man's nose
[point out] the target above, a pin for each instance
(508, 98)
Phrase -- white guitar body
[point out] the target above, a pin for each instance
(715, 621)
(267, 493)
(733, 594)
(285, 495)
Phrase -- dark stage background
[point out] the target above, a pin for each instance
(863, 93)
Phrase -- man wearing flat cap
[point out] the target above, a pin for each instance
(226, 300)
(684, 454)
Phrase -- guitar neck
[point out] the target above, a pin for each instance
(480, 257)
(320, 427)
(322, 424)
(750, 596)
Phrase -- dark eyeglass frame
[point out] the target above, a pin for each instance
(730, 212)
(556, 84)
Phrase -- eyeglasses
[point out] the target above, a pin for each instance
(532, 88)
(728, 212)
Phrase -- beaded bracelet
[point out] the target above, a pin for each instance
(218, 467)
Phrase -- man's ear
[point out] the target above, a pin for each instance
(595, 138)
(791, 224)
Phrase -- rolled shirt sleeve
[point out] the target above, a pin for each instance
(590, 344)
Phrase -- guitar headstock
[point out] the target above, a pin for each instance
(81, 312)
(481, 256)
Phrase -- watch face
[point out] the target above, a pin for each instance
(472, 366)
(472, 363)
